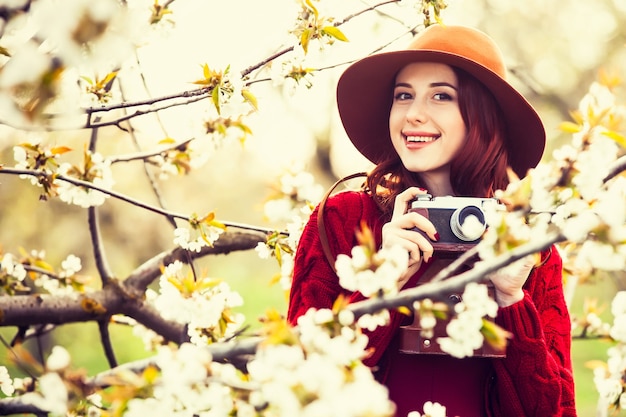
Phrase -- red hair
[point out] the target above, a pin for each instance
(476, 172)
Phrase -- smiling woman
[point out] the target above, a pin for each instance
(439, 118)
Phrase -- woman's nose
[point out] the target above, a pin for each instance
(417, 113)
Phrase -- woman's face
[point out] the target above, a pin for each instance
(425, 122)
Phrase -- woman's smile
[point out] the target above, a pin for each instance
(420, 138)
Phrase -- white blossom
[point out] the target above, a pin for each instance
(71, 265)
(609, 389)
(278, 209)
(464, 331)
(101, 177)
(58, 360)
(372, 321)
(53, 396)
(263, 250)
(356, 272)
(618, 330)
(27, 66)
(202, 308)
(431, 409)
(89, 33)
(618, 305)
(314, 379)
(193, 239)
(6, 384)
(16, 270)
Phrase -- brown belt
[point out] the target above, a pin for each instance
(412, 341)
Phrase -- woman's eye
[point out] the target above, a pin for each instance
(402, 96)
(442, 97)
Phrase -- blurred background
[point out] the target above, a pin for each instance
(555, 50)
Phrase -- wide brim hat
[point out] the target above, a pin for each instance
(365, 90)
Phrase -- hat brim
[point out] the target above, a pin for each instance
(364, 98)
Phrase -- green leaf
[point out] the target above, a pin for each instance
(304, 40)
(618, 138)
(110, 76)
(166, 141)
(215, 94)
(244, 128)
(335, 33)
(250, 98)
(310, 6)
(570, 127)
(60, 150)
(89, 80)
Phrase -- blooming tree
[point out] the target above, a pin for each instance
(68, 72)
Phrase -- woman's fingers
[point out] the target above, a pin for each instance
(410, 230)
(399, 233)
(412, 221)
(401, 203)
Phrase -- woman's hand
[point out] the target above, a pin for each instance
(508, 281)
(397, 232)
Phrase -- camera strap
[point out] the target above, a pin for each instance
(321, 226)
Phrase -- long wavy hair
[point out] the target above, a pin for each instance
(476, 172)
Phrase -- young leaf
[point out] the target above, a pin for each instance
(89, 80)
(110, 76)
(618, 138)
(335, 33)
(60, 150)
(215, 94)
(569, 127)
(310, 6)
(304, 39)
(250, 98)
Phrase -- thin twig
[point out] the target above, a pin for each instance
(98, 247)
(142, 156)
(127, 199)
(616, 168)
(105, 339)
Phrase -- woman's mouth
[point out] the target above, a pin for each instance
(421, 139)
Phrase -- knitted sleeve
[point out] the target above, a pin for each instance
(315, 283)
(536, 375)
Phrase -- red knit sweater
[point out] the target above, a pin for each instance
(535, 378)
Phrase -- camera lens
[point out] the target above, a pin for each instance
(472, 231)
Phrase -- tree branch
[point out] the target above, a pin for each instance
(28, 310)
(229, 241)
(19, 405)
(117, 297)
(456, 283)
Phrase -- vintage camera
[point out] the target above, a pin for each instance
(448, 214)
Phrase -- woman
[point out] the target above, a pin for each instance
(440, 118)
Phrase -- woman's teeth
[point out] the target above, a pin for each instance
(421, 138)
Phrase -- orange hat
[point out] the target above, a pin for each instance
(365, 90)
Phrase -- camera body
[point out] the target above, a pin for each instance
(448, 215)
